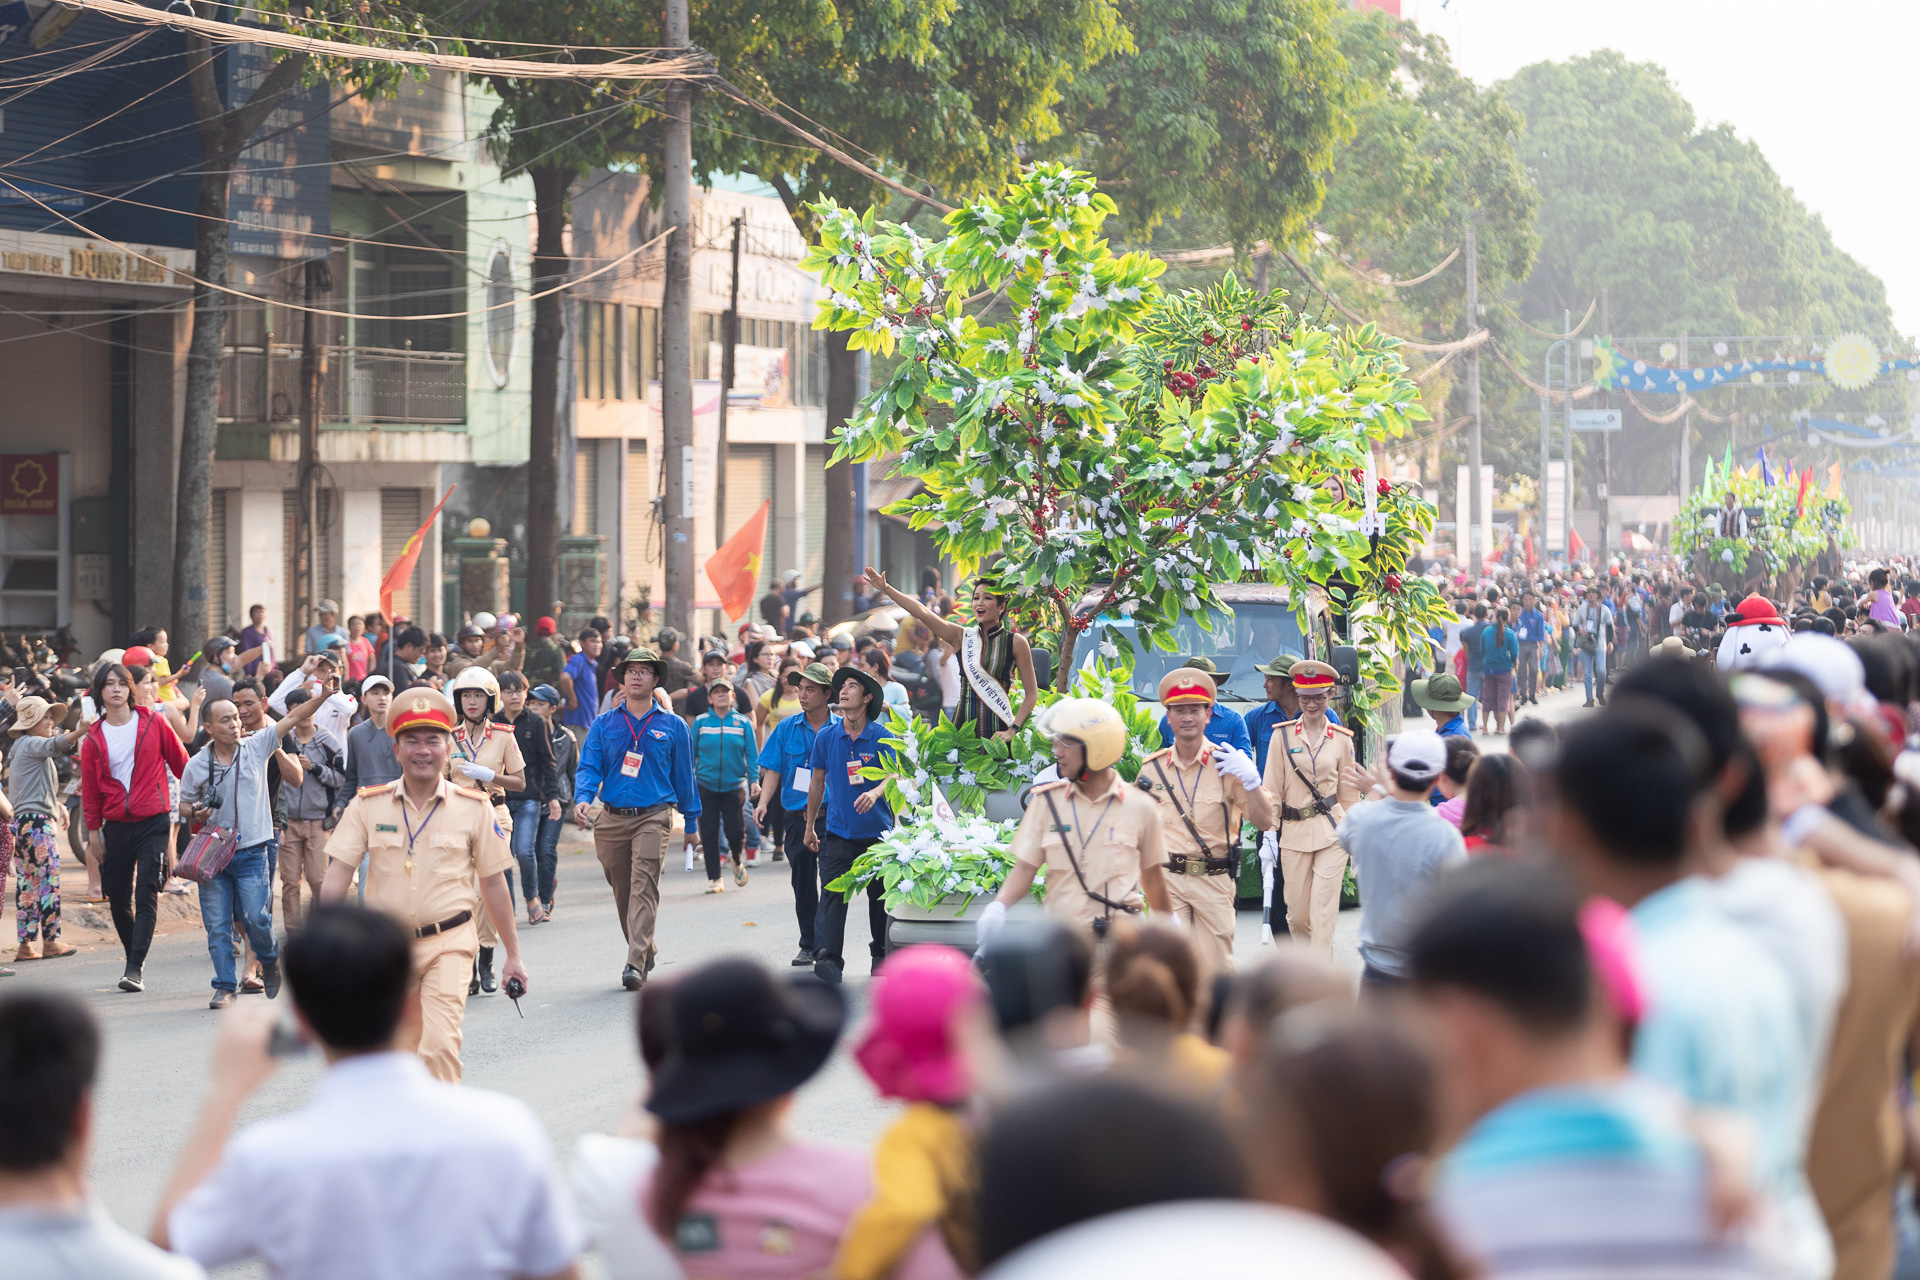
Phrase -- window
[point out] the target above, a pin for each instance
(597, 351)
(643, 348)
(500, 314)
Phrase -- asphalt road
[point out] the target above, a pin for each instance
(572, 1058)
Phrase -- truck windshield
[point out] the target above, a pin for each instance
(1254, 633)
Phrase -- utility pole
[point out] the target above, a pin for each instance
(1686, 435)
(676, 336)
(1476, 504)
(306, 520)
(729, 336)
(1606, 447)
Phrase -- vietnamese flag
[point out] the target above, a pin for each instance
(734, 567)
(1576, 549)
(1800, 502)
(402, 567)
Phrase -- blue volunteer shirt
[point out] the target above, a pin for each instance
(665, 774)
(586, 690)
(789, 748)
(1226, 725)
(838, 757)
(1263, 720)
(1531, 626)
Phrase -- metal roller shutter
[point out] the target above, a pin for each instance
(399, 517)
(642, 542)
(816, 523)
(217, 619)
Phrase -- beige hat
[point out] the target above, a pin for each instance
(30, 711)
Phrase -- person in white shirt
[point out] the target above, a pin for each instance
(335, 715)
(386, 1174)
(50, 1228)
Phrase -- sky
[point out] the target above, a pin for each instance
(1827, 92)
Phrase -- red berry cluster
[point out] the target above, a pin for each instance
(1384, 488)
(1392, 581)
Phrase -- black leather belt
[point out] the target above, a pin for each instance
(1290, 814)
(1201, 866)
(451, 922)
(621, 811)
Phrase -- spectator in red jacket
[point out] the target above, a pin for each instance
(124, 762)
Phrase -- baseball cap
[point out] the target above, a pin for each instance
(367, 685)
(1419, 754)
(841, 643)
(545, 693)
(545, 627)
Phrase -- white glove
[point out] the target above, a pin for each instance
(478, 772)
(989, 924)
(1234, 763)
(1269, 852)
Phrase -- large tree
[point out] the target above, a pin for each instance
(228, 123)
(1231, 109)
(940, 93)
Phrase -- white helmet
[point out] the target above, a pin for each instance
(474, 677)
(484, 620)
(1093, 724)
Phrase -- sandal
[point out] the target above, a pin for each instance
(739, 874)
(714, 886)
(25, 953)
(56, 950)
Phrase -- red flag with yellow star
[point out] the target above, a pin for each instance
(734, 567)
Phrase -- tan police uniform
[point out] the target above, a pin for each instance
(1202, 876)
(494, 748)
(1312, 863)
(1115, 836)
(424, 866)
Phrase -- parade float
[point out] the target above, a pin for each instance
(1794, 526)
(1115, 451)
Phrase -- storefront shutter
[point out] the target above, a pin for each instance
(399, 517)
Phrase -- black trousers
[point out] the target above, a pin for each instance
(806, 874)
(717, 808)
(131, 867)
(775, 827)
(830, 925)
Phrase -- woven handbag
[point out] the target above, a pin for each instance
(208, 854)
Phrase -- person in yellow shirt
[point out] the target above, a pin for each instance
(928, 1005)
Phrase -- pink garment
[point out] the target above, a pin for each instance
(1452, 809)
(359, 658)
(1882, 608)
(781, 1218)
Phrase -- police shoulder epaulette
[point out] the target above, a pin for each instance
(1155, 755)
(379, 788)
(1339, 728)
(472, 793)
(1055, 785)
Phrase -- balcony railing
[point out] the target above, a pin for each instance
(361, 385)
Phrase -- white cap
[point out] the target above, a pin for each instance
(1419, 754)
(1830, 663)
(367, 685)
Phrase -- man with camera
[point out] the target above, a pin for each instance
(385, 1171)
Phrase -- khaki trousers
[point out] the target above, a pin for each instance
(442, 967)
(1312, 879)
(1205, 905)
(631, 849)
(489, 936)
(303, 856)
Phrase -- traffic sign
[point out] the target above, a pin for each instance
(1596, 419)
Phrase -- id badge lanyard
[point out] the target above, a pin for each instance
(630, 766)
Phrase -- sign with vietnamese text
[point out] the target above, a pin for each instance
(1596, 419)
(29, 484)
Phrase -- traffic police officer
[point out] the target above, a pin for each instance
(1205, 789)
(485, 755)
(1304, 776)
(433, 853)
(1100, 840)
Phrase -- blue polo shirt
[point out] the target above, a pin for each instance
(1263, 720)
(836, 751)
(586, 690)
(788, 748)
(1531, 626)
(666, 762)
(1225, 725)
